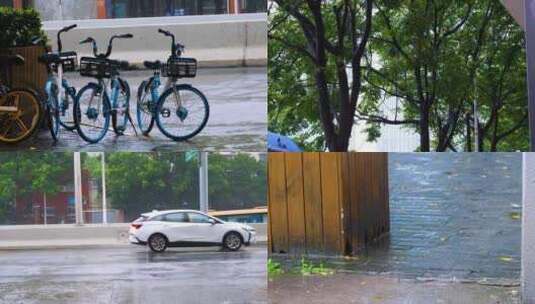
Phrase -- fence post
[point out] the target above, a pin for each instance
(203, 181)
(79, 211)
(104, 200)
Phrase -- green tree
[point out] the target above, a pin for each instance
(140, 182)
(22, 173)
(326, 40)
(237, 181)
(434, 57)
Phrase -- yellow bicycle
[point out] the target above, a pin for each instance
(20, 109)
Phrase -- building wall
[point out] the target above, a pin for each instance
(30, 207)
(218, 40)
(528, 230)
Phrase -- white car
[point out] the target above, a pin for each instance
(188, 228)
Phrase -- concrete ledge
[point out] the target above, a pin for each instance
(28, 237)
(216, 41)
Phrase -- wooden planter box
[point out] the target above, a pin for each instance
(32, 74)
(326, 203)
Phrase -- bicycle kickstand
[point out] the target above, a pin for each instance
(131, 122)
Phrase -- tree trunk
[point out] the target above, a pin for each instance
(425, 145)
(468, 147)
(325, 111)
(494, 142)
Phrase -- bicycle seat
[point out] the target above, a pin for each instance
(50, 58)
(153, 65)
(11, 60)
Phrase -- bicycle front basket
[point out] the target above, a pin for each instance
(96, 67)
(69, 60)
(180, 68)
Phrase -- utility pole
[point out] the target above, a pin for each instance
(104, 201)
(78, 207)
(528, 229)
(203, 181)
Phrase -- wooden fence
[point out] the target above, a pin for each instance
(326, 203)
(32, 74)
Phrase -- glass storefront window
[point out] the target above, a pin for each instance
(110, 9)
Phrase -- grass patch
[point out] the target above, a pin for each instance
(274, 268)
(304, 268)
(308, 268)
(515, 215)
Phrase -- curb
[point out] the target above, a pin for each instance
(84, 246)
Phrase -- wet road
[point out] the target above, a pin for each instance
(238, 116)
(133, 275)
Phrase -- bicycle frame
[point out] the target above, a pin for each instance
(112, 95)
(54, 79)
(155, 94)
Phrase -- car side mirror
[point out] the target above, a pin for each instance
(212, 221)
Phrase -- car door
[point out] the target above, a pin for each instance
(205, 229)
(177, 227)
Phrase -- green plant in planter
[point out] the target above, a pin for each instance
(19, 27)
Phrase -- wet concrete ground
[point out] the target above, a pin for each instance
(238, 116)
(453, 215)
(455, 238)
(376, 289)
(133, 275)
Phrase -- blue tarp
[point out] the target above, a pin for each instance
(280, 143)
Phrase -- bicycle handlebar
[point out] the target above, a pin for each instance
(63, 30)
(176, 48)
(110, 44)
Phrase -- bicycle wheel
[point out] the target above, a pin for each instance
(182, 112)
(20, 115)
(52, 115)
(144, 109)
(121, 108)
(92, 113)
(66, 118)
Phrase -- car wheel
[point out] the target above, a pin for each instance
(232, 241)
(158, 243)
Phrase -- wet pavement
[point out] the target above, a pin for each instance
(238, 116)
(455, 238)
(133, 275)
(368, 289)
(453, 216)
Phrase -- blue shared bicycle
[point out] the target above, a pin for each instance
(181, 111)
(59, 98)
(95, 105)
